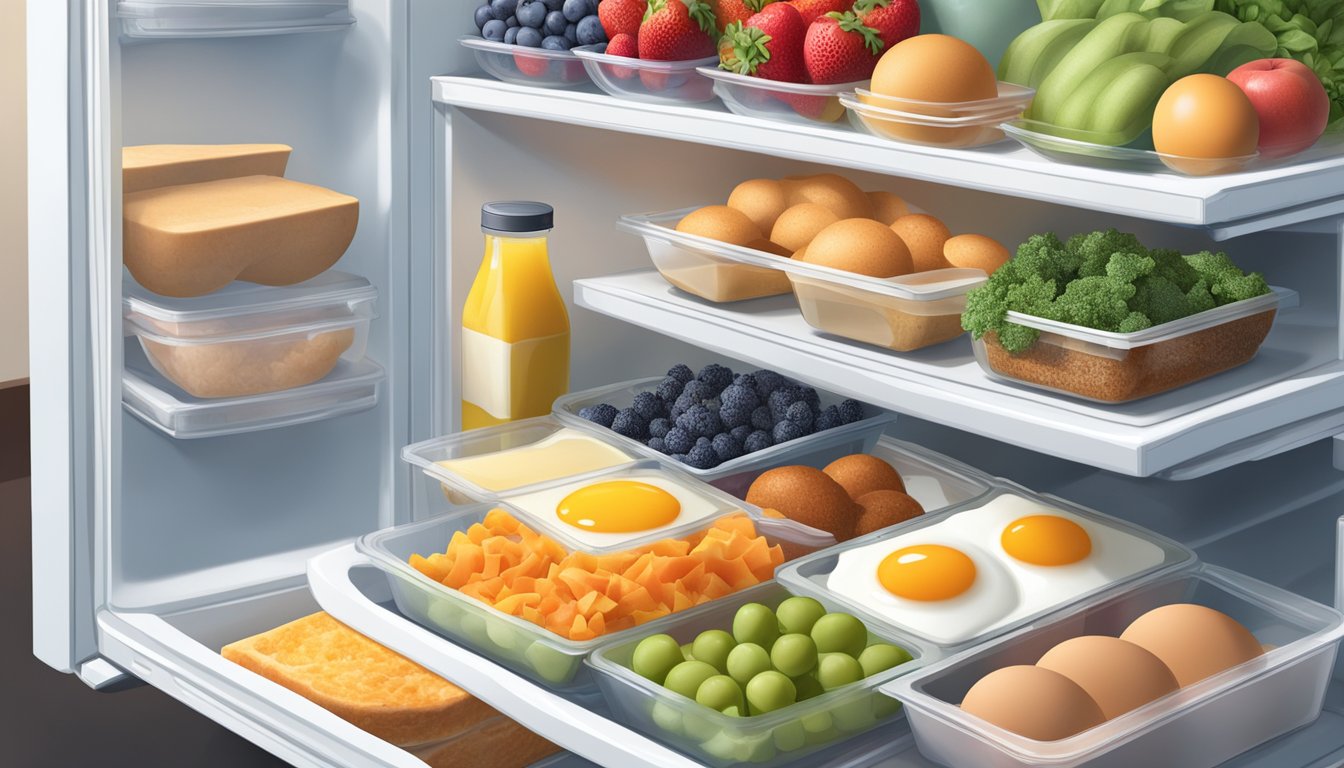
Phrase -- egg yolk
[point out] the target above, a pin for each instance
(1046, 540)
(619, 506)
(926, 572)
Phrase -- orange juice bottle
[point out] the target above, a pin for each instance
(515, 328)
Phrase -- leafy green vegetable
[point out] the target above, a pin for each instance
(1104, 280)
(1182, 10)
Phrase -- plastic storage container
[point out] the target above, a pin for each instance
(810, 575)
(840, 441)
(655, 82)
(500, 733)
(776, 100)
(713, 270)
(771, 739)
(1111, 367)
(1199, 726)
(230, 18)
(248, 339)
(522, 65)
(898, 313)
(1012, 99)
(962, 132)
(1067, 145)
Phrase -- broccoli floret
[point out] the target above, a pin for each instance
(1128, 267)
(1231, 289)
(1170, 264)
(1136, 321)
(1016, 338)
(1160, 300)
(1212, 266)
(1043, 256)
(1200, 298)
(1095, 302)
(1092, 252)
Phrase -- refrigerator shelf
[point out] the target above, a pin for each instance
(170, 19)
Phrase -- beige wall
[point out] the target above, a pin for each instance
(13, 197)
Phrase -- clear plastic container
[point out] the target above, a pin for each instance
(776, 100)
(1066, 145)
(1199, 726)
(976, 130)
(810, 575)
(898, 313)
(839, 441)
(494, 741)
(1108, 367)
(248, 339)
(771, 739)
(521, 65)
(1012, 99)
(713, 270)
(524, 647)
(655, 82)
(230, 18)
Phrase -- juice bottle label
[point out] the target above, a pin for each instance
(513, 381)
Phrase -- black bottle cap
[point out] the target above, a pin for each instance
(515, 216)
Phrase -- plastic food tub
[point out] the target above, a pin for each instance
(230, 18)
(809, 575)
(772, 739)
(248, 339)
(976, 130)
(657, 82)
(777, 100)
(840, 441)
(713, 270)
(524, 647)
(1108, 367)
(521, 65)
(1012, 99)
(1068, 145)
(1199, 726)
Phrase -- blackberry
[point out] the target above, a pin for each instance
(668, 389)
(716, 376)
(761, 418)
(714, 404)
(703, 441)
(725, 447)
(799, 413)
(851, 411)
(681, 372)
(786, 431)
(745, 380)
(767, 382)
(677, 440)
(700, 421)
(702, 457)
(657, 444)
(813, 400)
(780, 400)
(741, 396)
(757, 441)
(827, 419)
(678, 457)
(740, 433)
(649, 406)
(630, 424)
(601, 413)
(698, 391)
(683, 404)
(734, 416)
(659, 427)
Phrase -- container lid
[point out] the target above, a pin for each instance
(516, 216)
(779, 86)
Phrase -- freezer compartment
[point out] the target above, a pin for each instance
(655, 82)
(777, 100)
(1198, 726)
(713, 270)
(153, 19)
(522, 65)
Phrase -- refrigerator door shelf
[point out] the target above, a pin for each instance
(148, 19)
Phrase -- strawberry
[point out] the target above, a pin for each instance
(728, 11)
(622, 44)
(677, 30)
(769, 45)
(840, 49)
(811, 9)
(825, 109)
(894, 20)
(532, 66)
(621, 16)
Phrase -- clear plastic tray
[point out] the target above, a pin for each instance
(655, 82)
(524, 647)
(839, 441)
(976, 130)
(1083, 148)
(230, 18)
(772, 739)
(1012, 99)
(1199, 726)
(248, 339)
(350, 387)
(809, 575)
(713, 270)
(522, 65)
(776, 100)
(1108, 367)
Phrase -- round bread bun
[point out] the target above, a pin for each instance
(924, 236)
(719, 222)
(808, 496)
(861, 473)
(887, 208)
(881, 509)
(833, 191)
(762, 200)
(975, 252)
(862, 246)
(797, 225)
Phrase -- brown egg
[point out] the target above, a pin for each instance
(1117, 674)
(808, 496)
(860, 473)
(797, 225)
(924, 236)
(829, 190)
(1193, 641)
(1033, 702)
(975, 252)
(883, 509)
(762, 200)
(769, 247)
(801, 254)
(887, 208)
(719, 222)
(934, 68)
(862, 246)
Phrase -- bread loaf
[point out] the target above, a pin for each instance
(165, 165)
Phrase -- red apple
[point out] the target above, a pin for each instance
(1290, 100)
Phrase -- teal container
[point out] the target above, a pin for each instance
(989, 25)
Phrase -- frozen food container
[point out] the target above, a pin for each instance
(1112, 367)
(1067, 145)
(839, 441)
(964, 132)
(777, 100)
(521, 65)
(230, 18)
(248, 339)
(656, 82)
(711, 269)
(522, 646)
(1199, 726)
(1012, 99)
(771, 739)
(899, 313)
(1005, 594)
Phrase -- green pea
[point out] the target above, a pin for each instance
(879, 657)
(770, 690)
(794, 654)
(840, 633)
(686, 677)
(747, 661)
(807, 686)
(798, 614)
(712, 647)
(655, 656)
(838, 669)
(754, 623)
(719, 692)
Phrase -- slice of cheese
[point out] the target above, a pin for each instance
(165, 165)
(192, 239)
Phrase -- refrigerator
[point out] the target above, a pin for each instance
(151, 552)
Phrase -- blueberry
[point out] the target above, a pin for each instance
(681, 372)
(590, 31)
(511, 35)
(669, 388)
(740, 433)
(575, 9)
(657, 444)
(762, 419)
(801, 414)
(827, 419)
(601, 413)
(678, 440)
(786, 431)
(555, 24)
(659, 427)
(572, 33)
(725, 447)
(716, 376)
(630, 424)
(504, 8)
(553, 5)
(494, 30)
(851, 411)
(701, 456)
(484, 14)
(529, 37)
(512, 21)
(531, 13)
(757, 441)
(649, 405)
(556, 43)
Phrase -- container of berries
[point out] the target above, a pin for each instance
(529, 42)
(723, 427)
(654, 49)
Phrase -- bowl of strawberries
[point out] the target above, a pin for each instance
(654, 49)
